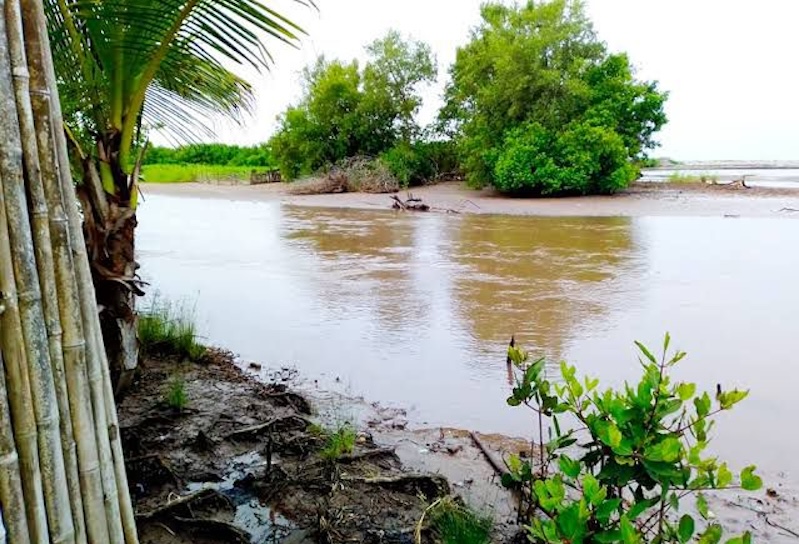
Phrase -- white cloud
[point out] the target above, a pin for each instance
(730, 66)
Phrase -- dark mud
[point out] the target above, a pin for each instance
(241, 462)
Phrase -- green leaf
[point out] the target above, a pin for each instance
(569, 466)
(686, 528)
(608, 433)
(701, 506)
(608, 537)
(666, 342)
(667, 450)
(640, 507)
(730, 398)
(712, 534)
(628, 533)
(723, 476)
(605, 510)
(702, 405)
(749, 480)
(570, 524)
(686, 390)
(513, 401)
(646, 352)
(593, 492)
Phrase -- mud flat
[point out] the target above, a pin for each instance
(642, 199)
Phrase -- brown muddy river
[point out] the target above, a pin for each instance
(417, 310)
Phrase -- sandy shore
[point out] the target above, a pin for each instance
(642, 199)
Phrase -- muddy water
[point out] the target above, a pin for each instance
(417, 310)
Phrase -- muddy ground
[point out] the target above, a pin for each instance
(241, 462)
(641, 199)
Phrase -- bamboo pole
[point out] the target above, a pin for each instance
(39, 218)
(20, 396)
(97, 364)
(12, 515)
(73, 339)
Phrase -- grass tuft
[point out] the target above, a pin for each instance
(677, 177)
(176, 396)
(169, 329)
(454, 523)
(339, 442)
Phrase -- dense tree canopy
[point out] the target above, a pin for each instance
(347, 110)
(539, 106)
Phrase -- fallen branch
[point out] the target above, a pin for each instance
(432, 486)
(296, 422)
(185, 500)
(498, 467)
(411, 203)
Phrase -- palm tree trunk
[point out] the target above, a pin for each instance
(62, 477)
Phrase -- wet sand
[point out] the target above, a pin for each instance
(642, 199)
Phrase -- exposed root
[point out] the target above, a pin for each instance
(380, 453)
(430, 487)
(252, 432)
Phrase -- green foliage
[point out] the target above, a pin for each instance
(636, 454)
(582, 159)
(347, 111)
(183, 173)
(454, 523)
(176, 396)
(168, 329)
(420, 162)
(212, 154)
(339, 442)
(535, 90)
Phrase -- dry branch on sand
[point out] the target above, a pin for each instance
(358, 174)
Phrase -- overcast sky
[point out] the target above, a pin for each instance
(731, 66)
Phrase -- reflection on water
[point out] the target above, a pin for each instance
(417, 310)
(542, 279)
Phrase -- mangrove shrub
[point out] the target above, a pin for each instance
(539, 105)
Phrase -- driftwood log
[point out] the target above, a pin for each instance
(410, 204)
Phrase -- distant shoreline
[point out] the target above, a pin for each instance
(640, 200)
(726, 165)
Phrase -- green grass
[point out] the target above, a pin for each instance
(176, 396)
(185, 173)
(168, 329)
(339, 442)
(454, 523)
(677, 177)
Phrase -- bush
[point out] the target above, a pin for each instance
(187, 173)
(421, 162)
(176, 396)
(583, 159)
(636, 454)
(541, 63)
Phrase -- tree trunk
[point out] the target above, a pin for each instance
(109, 230)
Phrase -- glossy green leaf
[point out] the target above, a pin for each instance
(646, 352)
(686, 528)
(605, 510)
(702, 405)
(723, 476)
(593, 491)
(749, 480)
(712, 534)
(686, 390)
(667, 450)
(629, 535)
(569, 466)
(701, 506)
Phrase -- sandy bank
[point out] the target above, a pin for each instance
(642, 199)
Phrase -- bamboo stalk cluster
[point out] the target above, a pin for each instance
(62, 472)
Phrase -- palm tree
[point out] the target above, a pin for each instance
(124, 66)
